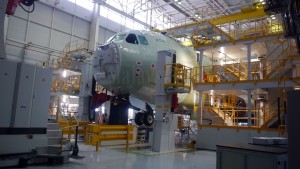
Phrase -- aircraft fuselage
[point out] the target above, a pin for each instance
(126, 64)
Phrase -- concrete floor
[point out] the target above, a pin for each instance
(117, 158)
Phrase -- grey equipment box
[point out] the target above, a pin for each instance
(270, 140)
(251, 157)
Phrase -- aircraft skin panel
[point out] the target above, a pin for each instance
(135, 73)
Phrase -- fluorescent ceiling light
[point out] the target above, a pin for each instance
(64, 73)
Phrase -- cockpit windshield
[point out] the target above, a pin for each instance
(117, 38)
(143, 40)
(131, 38)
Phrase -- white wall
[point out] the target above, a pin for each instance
(104, 34)
(209, 137)
(49, 28)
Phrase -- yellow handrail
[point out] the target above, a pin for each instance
(178, 76)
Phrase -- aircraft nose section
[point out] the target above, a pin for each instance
(106, 63)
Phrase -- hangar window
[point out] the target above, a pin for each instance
(143, 40)
(131, 38)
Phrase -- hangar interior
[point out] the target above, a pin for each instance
(149, 83)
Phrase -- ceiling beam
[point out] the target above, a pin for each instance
(180, 10)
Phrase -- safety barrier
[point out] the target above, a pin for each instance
(97, 133)
(68, 127)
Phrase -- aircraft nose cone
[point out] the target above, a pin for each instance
(106, 63)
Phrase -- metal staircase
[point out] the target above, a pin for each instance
(280, 60)
(222, 111)
(270, 112)
(237, 70)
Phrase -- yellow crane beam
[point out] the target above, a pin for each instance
(256, 11)
(251, 13)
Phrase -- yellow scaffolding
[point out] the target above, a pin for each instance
(275, 63)
(251, 24)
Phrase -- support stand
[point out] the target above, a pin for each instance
(164, 122)
(76, 148)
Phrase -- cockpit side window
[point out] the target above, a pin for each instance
(119, 37)
(143, 40)
(110, 39)
(131, 38)
(115, 38)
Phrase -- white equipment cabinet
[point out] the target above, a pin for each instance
(41, 99)
(24, 97)
(7, 80)
(21, 113)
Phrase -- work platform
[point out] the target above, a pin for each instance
(247, 84)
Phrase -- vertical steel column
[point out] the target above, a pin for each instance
(249, 108)
(3, 4)
(94, 29)
(86, 69)
(293, 126)
(73, 21)
(200, 110)
(278, 111)
(51, 28)
(201, 66)
(249, 60)
(26, 37)
(6, 21)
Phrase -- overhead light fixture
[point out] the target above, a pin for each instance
(175, 0)
(243, 49)
(196, 14)
(179, 3)
(222, 49)
(64, 73)
(262, 2)
(255, 60)
(273, 17)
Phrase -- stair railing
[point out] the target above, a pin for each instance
(279, 59)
